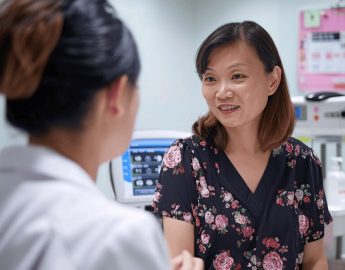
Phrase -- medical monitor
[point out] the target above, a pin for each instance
(319, 118)
(134, 175)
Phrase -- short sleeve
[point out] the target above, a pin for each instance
(176, 194)
(315, 214)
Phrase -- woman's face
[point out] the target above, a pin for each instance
(236, 86)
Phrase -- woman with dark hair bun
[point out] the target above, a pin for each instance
(241, 193)
(69, 71)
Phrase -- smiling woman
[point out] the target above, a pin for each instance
(236, 85)
(254, 43)
(241, 193)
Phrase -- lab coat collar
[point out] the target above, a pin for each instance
(45, 162)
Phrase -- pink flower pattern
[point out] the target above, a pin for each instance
(221, 222)
(173, 157)
(303, 224)
(204, 242)
(242, 223)
(223, 261)
(272, 261)
(271, 243)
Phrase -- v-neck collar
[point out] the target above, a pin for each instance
(229, 167)
(255, 201)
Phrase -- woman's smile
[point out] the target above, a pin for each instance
(227, 108)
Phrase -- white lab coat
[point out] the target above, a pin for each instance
(52, 216)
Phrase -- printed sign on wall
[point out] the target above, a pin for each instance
(321, 63)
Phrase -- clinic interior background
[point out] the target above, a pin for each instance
(168, 33)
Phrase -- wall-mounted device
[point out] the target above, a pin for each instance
(320, 114)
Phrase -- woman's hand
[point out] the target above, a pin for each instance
(185, 261)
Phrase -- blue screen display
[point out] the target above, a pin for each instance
(141, 164)
(300, 112)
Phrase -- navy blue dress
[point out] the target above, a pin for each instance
(235, 228)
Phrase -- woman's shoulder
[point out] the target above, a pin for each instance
(193, 142)
(192, 147)
(296, 142)
(295, 148)
(297, 154)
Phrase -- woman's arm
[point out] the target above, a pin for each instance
(314, 256)
(179, 236)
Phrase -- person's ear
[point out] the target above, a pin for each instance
(274, 80)
(116, 96)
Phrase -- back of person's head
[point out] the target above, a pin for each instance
(55, 55)
(278, 117)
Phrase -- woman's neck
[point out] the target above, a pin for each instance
(244, 140)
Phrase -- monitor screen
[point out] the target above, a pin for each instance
(141, 164)
(134, 175)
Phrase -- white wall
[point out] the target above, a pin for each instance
(169, 86)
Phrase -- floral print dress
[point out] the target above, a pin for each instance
(234, 227)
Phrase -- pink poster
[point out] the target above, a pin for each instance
(321, 57)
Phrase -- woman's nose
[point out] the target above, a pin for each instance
(224, 92)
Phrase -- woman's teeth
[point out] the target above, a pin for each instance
(228, 107)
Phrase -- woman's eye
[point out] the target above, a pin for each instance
(237, 76)
(209, 79)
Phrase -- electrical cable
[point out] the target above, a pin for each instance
(112, 179)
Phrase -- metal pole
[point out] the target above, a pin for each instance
(323, 158)
(338, 239)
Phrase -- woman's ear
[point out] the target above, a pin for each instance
(116, 96)
(274, 81)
